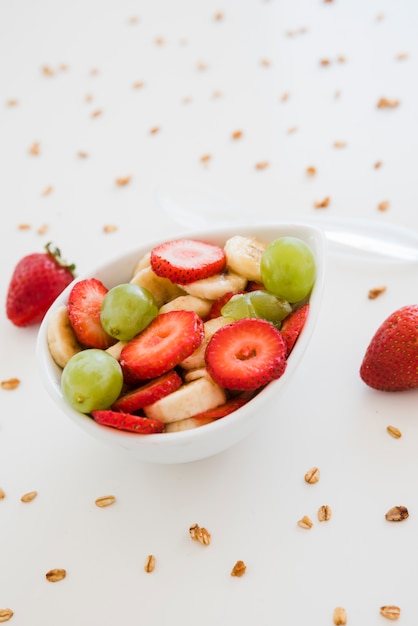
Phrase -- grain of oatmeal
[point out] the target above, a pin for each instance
(305, 522)
(109, 228)
(340, 616)
(387, 103)
(378, 165)
(10, 384)
(133, 19)
(394, 432)
(262, 165)
(104, 501)
(237, 134)
(159, 41)
(94, 71)
(47, 70)
(324, 513)
(239, 569)
(265, 62)
(55, 575)
(202, 66)
(340, 144)
(376, 292)
(205, 159)
(322, 204)
(138, 84)
(325, 62)
(96, 113)
(89, 97)
(391, 612)
(341, 59)
(123, 180)
(154, 130)
(12, 102)
(186, 100)
(82, 154)
(34, 149)
(2, 494)
(24, 226)
(285, 96)
(42, 229)
(397, 514)
(200, 534)
(383, 206)
(311, 170)
(47, 190)
(218, 16)
(292, 129)
(312, 475)
(29, 496)
(5, 615)
(217, 94)
(149, 563)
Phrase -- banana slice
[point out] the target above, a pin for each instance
(187, 424)
(243, 255)
(200, 372)
(197, 359)
(144, 261)
(188, 400)
(200, 306)
(62, 342)
(162, 289)
(215, 286)
(115, 349)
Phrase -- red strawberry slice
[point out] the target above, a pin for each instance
(185, 260)
(215, 310)
(84, 303)
(292, 326)
(224, 409)
(170, 338)
(149, 393)
(391, 359)
(37, 280)
(246, 354)
(126, 421)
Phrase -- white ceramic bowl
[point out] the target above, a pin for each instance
(205, 441)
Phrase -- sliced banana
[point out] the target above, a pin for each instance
(200, 372)
(201, 306)
(216, 286)
(162, 289)
(187, 424)
(188, 400)
(243, 255)
(115, 349)
(197, 359)
(62, 342)
(144, 261)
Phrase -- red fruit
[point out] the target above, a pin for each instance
(246, 354)
(37, 280)
(148, 393)
(224, 409)
(170, 338)
(125, 421)
(84, 303)
(391, 359)
(185, 260)
(292, 326)
(215, 310)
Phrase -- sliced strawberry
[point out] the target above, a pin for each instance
(246, 354)
(253, 285)
(126, 421)
(185, 260)
(170, 338)
(84, 303)
(292, 326)
(224, 409)
(148, 393)
(215, 310)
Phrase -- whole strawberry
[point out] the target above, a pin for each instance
(391, 359)
(36, 282)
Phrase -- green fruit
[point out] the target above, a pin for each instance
(258, 303)
(288, 268)
(126, 310)
(91, 380)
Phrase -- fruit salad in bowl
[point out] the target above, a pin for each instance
(171, 350)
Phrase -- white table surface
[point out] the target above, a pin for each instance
(207, 70)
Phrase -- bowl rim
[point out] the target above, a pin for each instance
(50, 372)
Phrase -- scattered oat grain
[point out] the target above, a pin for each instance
(109, 228)
(47, 70)
(94, 71)
(387, 103)
(305, 522)
(97, 113)
(200, 534)
(34, 149)
(402, 56)
(324, 513)
(376, 292)
(311, 170)
(285, 96)
(42, 229)
(5, 615)
(378, 165)
(24, 226)
(265, 62)
(28, 497)
(10, 384)
(383, 206)
(202, 66)
(205, 159)
(391, 612)
(380, 17)
(154, 130)
(237, 134)
(218, 16)
(82, 154)
(12, 102)
(159, 41)
(322, 204)
(55, 575)
(89, 97)
(262, 165)
(133, 19)
(340, 144)
(397, 514)
(312, 475)
(292, 129)
(217, 94)
(239, 569)
(325, 62)
(340, 616)
(104, 501)
(63, 67)
(2, 494)
(123, 180)
(47, 190)
(394, 432)
(149, 563)
(341, 58)
(138, 84)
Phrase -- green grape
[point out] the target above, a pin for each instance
(288, 268)
(126, 310)
(92, 379)
(259, 304)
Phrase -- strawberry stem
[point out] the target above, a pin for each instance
(55, 253)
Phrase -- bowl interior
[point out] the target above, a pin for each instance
(212, 438)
